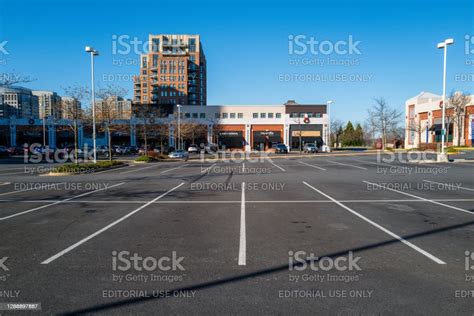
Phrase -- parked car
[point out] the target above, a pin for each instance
(4, 151)
(102, 150)
(310, 148)
(16, 150)
(141, 151)
(210, 148)
(121, 150)
(280, 148)
(133, 149)
(193, 149)
(179, 154)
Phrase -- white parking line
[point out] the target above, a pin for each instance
(77, 244)
(58, 202)
(468, 189)
(208, 168)
(409, 244)
(421, 198)
(168, 170)
(374, 163)
(270, 160)
(346, 164)
(133, 170)
(313, 166)
(243, 241)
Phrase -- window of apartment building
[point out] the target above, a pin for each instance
(144, 72)
(240, 115)
(144, 62)
(145, 98)
(192, 58)
(317, 114)
(255, 115)
(263, 115)
(155, 45)
(187, 115)
(225, 115)
(270, 115)
(202, 115)
(232, 115)
(192, 45)
(277, 115)
(217, 115)
(195, 115)
(155, 61)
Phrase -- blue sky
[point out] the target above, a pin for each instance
(246, 45)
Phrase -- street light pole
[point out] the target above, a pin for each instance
(179, 126)
(444, 46)
(44, 125)
(328, 143)
(93, 53)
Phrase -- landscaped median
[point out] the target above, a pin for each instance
(85, 168)
(151, 157)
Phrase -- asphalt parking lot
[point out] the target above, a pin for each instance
(240, 237)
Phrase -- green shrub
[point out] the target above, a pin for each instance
(86, 167)
(144, 158)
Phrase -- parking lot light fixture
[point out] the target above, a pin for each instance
(179, 126)
(444, 45)
(328, 134)
(93, 53)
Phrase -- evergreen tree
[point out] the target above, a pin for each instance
(359, 136)
(348, 135)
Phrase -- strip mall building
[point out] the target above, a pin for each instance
(258, 127)
(423, 121)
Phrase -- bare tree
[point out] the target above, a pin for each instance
(336, 131)
(457, 103)
(414, 126)
(383, 119)
(13, 77)
(73, 112)
(147, 115)
(107, 112)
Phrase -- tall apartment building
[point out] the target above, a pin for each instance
(116, 108)
(172, 72)
(49, 104)
(18, 102)
(70, 108)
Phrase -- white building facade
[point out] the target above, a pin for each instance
(423, 121)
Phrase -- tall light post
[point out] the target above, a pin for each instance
(93, 53)
(179, 126)
(328, 144)
(44, 124)
(444, 46)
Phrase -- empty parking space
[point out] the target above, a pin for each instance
(239, 226)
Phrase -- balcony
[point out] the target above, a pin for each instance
(174, 53)
(175, 44)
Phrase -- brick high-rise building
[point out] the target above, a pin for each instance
(172, 72)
